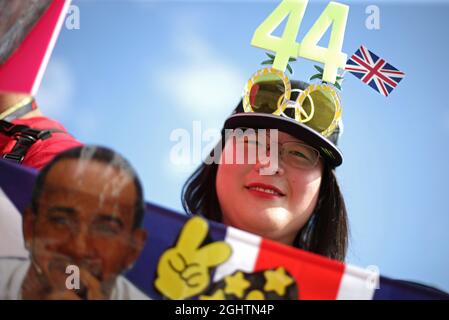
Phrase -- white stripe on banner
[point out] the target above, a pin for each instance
(11, 238)
(358, 284)
(245, 249)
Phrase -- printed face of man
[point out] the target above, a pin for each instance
(85, 218)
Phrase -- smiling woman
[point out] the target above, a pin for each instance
(301, 203)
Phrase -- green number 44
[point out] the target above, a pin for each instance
(286, 46)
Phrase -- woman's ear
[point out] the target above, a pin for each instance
(28, 222)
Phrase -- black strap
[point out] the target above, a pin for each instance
(25, 137)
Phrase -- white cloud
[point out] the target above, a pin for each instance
(200, 82)
(57, 88)
(207, 88)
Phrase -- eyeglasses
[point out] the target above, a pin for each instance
(269, 91)
(293, 153)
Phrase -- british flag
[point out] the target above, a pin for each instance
(374, 71)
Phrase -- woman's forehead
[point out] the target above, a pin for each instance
(283, 136)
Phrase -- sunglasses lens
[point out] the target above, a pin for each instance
(317, 106)
(325, 106)
(267, 93)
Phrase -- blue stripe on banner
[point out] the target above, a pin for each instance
(17, 182)
(390, 289)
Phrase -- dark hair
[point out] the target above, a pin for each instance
(100, 154)
(325, 233)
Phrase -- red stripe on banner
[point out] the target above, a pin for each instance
(316, 277)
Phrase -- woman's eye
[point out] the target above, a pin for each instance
(298, 154)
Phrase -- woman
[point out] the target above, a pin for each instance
(301, 203)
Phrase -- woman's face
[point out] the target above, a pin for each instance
(273, 206)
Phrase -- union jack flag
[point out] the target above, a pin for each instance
(374, 71)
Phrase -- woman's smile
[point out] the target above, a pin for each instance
(265, 191)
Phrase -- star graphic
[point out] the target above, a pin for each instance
(236, 284)
(217, 295)
(255, 295)
(277, 281)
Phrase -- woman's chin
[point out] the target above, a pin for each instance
(264, 221)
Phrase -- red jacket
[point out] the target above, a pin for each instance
(42, 151)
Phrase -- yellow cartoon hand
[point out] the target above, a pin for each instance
(183, 271)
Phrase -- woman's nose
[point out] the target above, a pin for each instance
(268, 165)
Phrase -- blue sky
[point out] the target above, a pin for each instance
(137, 70)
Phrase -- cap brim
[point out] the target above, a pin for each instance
(300, 131)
